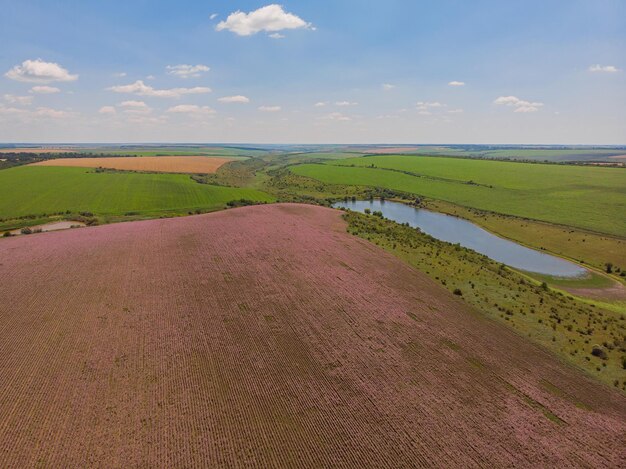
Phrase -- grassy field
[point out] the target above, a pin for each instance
(586, 197)
(554, 155)
(30, 190)
(565, 325)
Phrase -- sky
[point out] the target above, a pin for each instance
(323, 71)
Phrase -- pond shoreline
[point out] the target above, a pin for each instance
(457, 230)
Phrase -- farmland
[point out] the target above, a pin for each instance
(269, 336)
(35, 190)
(166, 164)
(591, 198)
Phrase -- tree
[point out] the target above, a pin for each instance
(609, 267)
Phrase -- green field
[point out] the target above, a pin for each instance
(35, 190)
(554, 155)
(591, 198)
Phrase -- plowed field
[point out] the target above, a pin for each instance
(164, 164)
(268, 336)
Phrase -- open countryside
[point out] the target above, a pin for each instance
(291, 235)
(586, 197)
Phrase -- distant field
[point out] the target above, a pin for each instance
(592, 198)
(165, 164)
(538, 154)
(37, 150)
(34, 190)
(183, 151)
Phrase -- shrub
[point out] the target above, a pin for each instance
(599, 352)
(457, 291)
(7, 234)
(26, 231)
(241, 203)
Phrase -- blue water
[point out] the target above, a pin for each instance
(467, 234)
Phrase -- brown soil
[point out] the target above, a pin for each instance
(267, 336)
(165, 164)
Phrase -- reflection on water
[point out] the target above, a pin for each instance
(467, 234)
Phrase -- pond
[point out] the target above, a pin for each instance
(467, 234)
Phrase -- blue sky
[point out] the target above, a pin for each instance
(328, 71)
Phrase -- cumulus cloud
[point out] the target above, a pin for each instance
(141, 89)
(38, 71)
(239, 99)
(269, 108)
(270, 18)
(21, 100)
(44, 90)
(191, 109)
(27, 115)
(388, 86)
(135, 107)
(187, 71)
(46, 112)
(519, 104)
(456, 83)
(604, 68)
(107, 110)
(345, 103)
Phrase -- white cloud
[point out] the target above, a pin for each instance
(604, 68)
(455, 111)
(141, 89)
(336, 116)
(234, 99)
(456, 83)
(191, 109)
(26, 115)
(46, 112)
(425, 107)
(269, 108)
(120, 74)
(44, 90)
(277, 36)
(107, 110)
(22, 100)
(270, 18)
(320, 104)
(187, 71)
(519, 104)
(38, 71)
(135, 107)
(213, 16)
(150, 77)
(345, 103)
(388, 86)
(8, 111)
